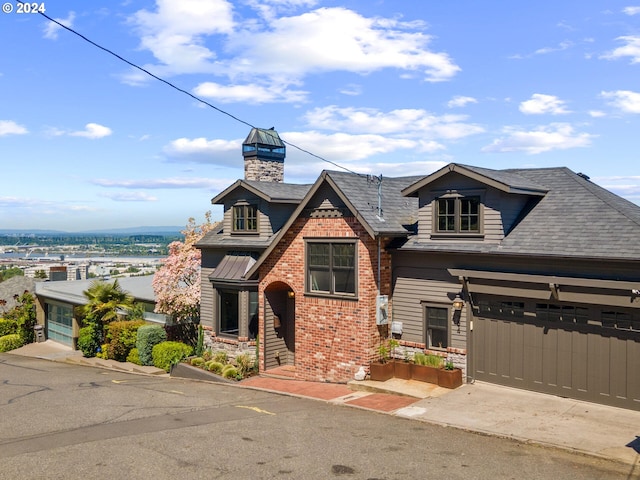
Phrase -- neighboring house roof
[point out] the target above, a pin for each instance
(72, 291)
(15, 286)
(575, 218)
(360, 194)
(273, 192)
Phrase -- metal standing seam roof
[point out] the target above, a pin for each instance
(264, 136)
(232, 267)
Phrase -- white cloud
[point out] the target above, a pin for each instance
(131, 197)
(597, 113)
(92, 131)
(176, 31)
(402, 122)
(337, 39)
(624, 100)
(9, 127)
(630, 49)
(253, 94)
(51, 29)
(631, 10)
(162, 183)
(180, 36)
(544, 50)
(540, 104)
(460, 101)
(555, 136)
(201, 150)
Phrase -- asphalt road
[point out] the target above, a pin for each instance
(60, 421)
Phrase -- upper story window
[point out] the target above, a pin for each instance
(245, 218)
(458, 214)
(331, 268)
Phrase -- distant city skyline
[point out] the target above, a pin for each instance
(393, 88)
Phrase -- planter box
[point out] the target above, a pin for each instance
(402, 369)
(381, 371)
(450, 378)
(424, 373)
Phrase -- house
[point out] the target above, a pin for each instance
(548, 266)
(521, 277)
(56, 304)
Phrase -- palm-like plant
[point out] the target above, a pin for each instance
(105, 300)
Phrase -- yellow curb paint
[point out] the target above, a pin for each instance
(256, 409)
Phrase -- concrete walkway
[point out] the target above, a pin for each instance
(597, 430)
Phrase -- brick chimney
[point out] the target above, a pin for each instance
(263, 153)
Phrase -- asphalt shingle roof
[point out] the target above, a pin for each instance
(576, 218)
(398, 212)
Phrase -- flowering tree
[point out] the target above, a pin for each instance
(177, 283)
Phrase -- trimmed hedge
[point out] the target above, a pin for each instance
(8, 326)
(88, 341)
(10, 342)
(133, 357)
(122, 337)
(149, 336)
(166, 354)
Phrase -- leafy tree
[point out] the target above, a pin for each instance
(7, 273)
(177, 283)
(40, 274)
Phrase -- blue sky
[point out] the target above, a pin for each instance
(398, 87)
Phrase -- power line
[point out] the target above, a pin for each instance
(181, 90)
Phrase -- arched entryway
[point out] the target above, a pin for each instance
(279, 326)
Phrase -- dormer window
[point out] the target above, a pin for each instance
(245, 219)
(458, 214)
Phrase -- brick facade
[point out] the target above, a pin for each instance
(333, 336)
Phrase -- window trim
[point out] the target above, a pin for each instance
(457, 196)
(245, 210)
(331, 293)
(425, 316)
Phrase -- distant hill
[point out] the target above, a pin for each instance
(163, 230)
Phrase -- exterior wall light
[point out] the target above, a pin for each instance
(291, 294)
(458, 303)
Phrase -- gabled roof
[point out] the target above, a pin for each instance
(508, 181)
(575, 218)
(273, 192)
(360, 194)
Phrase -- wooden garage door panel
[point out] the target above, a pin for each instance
(586, 366)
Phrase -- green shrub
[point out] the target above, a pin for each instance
(197, 362)
(430, 360)
(133, 357)
(213, 366)
(10, 342)
(148, 336)
(229, 371)
(8, 326)
(166, 354)
(88, 341)
(122, 337)
(244, 364)
(220, 356)
(102, 353)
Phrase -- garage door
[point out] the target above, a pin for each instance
(60, 323)
(586, 361)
